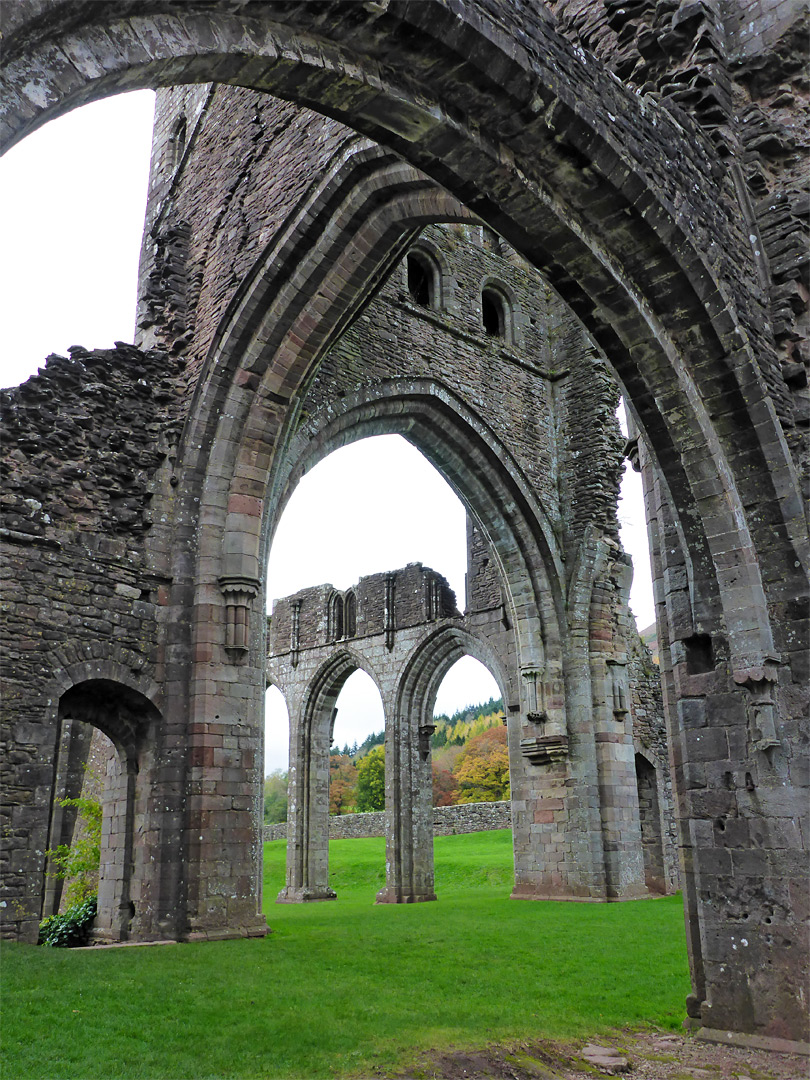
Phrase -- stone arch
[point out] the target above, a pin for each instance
(408, 772)
(549, 150)
(129, 720)
(480, 469)
(578, 174)
(432, 659)
(311, 727)
(658, 313)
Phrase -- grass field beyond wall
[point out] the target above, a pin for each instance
(345, 987)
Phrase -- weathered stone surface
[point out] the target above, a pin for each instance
(664, 212)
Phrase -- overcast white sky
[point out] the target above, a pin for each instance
(74, 194)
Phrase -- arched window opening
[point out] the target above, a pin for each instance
(177, 143)
(350, 613)
(421, 279)
(469, 748)
(336, 621)
(633, 530)
(494, 313)
(357, 753)
(650, 818)
(276, 756)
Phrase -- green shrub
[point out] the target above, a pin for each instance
(78, 862)
(70, 929)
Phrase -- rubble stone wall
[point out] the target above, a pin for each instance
(447, 821)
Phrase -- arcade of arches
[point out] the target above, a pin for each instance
(644, 169)
(406, 634)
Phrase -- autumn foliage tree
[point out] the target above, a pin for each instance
(342, 784)
(445, 787)
(482, 769)
(371, 780)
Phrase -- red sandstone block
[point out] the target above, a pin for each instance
(543, 817)
(245, 504)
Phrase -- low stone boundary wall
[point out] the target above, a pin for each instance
(447, 821)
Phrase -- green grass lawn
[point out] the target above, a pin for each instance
(345, 987)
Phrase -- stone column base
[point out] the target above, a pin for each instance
(540, 892)
(290, 895)
(392, 895)
(753, 1042)
(255, 929)
(543, 892)
(631, 892)
(105, 935)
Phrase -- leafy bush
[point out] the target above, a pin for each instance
(70, 929)
(342, 784)
(78, 862)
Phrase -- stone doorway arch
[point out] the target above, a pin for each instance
(312, 701)
(128, 720)
(409, 787)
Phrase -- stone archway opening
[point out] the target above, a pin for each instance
(83, 755)
(276, 756)
(313, 688)
(366, 507)
(649, 808)
(469, 703)
(111, 727)
(358, 727)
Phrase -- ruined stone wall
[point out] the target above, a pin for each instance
(483, 586)
(83, 445)
(257, 156)
(650, 740)
(447, 821)
(543, 390)
(740, 71)
(589, 439)
(400, 598)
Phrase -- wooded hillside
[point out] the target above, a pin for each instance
(470, 764)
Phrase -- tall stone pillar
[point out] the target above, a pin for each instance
(115, 908)
(613, 734)
(408, 813)
(308, 810)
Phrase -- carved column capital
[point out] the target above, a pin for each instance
(239, 592)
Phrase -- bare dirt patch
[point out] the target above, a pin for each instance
(643, 1055)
